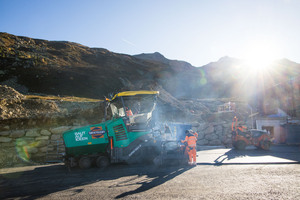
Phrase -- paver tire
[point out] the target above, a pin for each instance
(85, 162)
(102, 162)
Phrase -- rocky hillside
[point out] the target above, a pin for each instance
(66, 68)
(228, 77)
(15, 105)
(231, 77)
(179, 66)
(18, 110)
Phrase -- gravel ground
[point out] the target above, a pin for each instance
(204, 181)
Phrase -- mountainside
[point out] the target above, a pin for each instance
(67, 68)
(176, 65)
(233, 77)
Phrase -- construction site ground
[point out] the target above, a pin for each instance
(221, 173)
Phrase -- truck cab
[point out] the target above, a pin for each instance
(135, 108)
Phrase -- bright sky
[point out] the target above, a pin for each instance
(196, 31)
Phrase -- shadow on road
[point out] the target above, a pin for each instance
(43, 181)
(158, 178)
(287, 155)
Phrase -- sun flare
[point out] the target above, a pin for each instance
(259, 56)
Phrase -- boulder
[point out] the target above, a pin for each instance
(55, 137)
(6, 128)
(45, 132)
(31, 150)
(229, 135)
(42, 143)
(59, 130)
(227, 125)
(215, 142)
(7, 145)
(31, 122)
(42, 138)
(5, 139)
(200, 135)
(209, 130)
(44, 149)
(219, 130)
(227, 141)
(211, 137)
(195, 124)
(17, 133)
(202, 142)
(5, 133)
(203, 126)
(227, 131)
(32, 133)
(21, 142)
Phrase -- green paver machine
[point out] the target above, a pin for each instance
(126, 137)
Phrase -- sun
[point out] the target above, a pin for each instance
(258, 56)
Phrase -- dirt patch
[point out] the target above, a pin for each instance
(15, 105)
(20, 111)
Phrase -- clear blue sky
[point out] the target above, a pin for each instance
(196, 31)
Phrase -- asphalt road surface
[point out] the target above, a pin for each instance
(220, 174)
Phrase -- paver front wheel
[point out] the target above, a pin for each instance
(85, 162)
(102, 162)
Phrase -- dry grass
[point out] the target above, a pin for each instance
(58, 98)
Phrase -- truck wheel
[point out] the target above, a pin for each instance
(85, 162)
(102, 162)
(265, 144)
(240, 145)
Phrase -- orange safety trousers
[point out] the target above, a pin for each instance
(192, 154)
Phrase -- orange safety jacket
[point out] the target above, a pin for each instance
(242, 128)
(129, 113)
(191, 139)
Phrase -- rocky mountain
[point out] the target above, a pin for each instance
(176, 65)
(236, 78)
(67, 68)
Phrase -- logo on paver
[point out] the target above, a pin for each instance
(97, 132)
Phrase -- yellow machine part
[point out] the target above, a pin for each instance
(133, 93)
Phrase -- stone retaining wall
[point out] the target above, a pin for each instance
(19, 147)
(29, 146)
(213, 134)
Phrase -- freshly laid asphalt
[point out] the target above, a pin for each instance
(221, 173)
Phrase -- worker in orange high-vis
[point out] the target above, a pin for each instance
(191, 140)
(128, 112)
